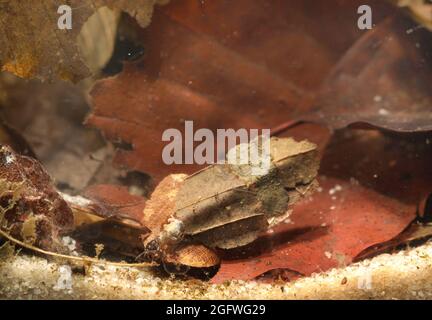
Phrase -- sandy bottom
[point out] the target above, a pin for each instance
(403, 275)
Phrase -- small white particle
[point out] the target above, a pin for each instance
(335, 189)
(78, 200)
(9, 159)
(70, 244)
(64, 281)
(383, 112)
(377, 98)
(152, 290)
(173, 229)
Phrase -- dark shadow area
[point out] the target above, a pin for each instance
(269, 242)
(393, 164)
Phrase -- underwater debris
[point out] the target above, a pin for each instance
(7, 251)
(31, 209)
(49, 53)
(64, 281)
(225, 206)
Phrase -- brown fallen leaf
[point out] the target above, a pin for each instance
(222, 64)
(417, 233)
(421, 10)
(105, 221)
(49, 117)
(370, 193)
(34, 46)
(111, 201)
(120, 240)
(205, 64)
(382, 81)
(321, 233)
(234, 207)
(97, 38)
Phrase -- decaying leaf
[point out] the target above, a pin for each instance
(416, 233)
(111, 222)
(421, 10)
(323, 232)
(222, 64)
(372, 184)
(48, 117)
(382, 81)
(115, 201)
(31, 209)
(34, 46)
(226, 206)
(97, 37)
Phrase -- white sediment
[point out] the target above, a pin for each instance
(404, 275)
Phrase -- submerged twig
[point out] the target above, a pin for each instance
(74, 258)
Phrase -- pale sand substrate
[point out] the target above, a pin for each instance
(404, 275)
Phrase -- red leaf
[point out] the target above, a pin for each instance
(382, 178)
(222, 64)
(116, 200)
(324, 233)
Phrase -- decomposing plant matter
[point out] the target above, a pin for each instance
(185, 224)
(225, 206)
(49, 53)
(220, 66)
(31, 209)
(33, 215)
